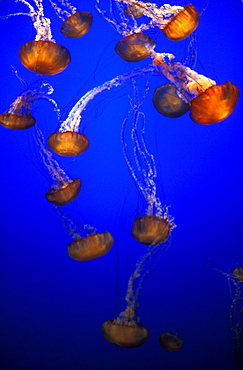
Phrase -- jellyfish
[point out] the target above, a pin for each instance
(68, 141)
(156, 225)
(176, 22)
(75, 23)
(167, 102)
(18, 115)
(42, 55)
(209, 103)
(170, 342)
(90, 246)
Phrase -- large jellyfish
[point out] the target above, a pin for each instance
(75, 23)
(42, 55)
(177, 23)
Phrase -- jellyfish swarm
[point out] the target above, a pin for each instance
(154, 227)
(170, 342)
(64, 189)
(167, 102)
(210, 103)
(18, 116)
(42, 55)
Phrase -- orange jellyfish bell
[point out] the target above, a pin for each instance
(17, 121)
(122, 335)
(68, 143)
(44, 57)
(238, 274)
(170, 342)
(65, 194)
(215, 104)
(150, 229)
(135, 47)
(182, 24)
(167, 102)
(91, 246)
(77, 24)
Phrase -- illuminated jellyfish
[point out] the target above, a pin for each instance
(68, 141)
(88, 247)
(177, 23)
(167, 102)
(125, 330)
(235, 280)
(170, 342)
(64, 189)
(156, 225)
(18, 116)
(209, 103)
(43, 55)
(75, 24)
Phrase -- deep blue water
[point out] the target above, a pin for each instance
(51, 306)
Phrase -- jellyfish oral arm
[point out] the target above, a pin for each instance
(63, 14)
(72, 122)
(181, 76)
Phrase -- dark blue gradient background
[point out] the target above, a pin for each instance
(52, 307)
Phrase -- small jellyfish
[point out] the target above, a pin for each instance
(215, 104)
(210, 103)
(151, 229)
(68, 143)
(135, 47)
(123, 335)
(43, 55)
(168, 103)
(170, 342)
(91, 246)
(182, 24)
(134, 11)
(88, 247)
(75, 23)
(18, 116)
